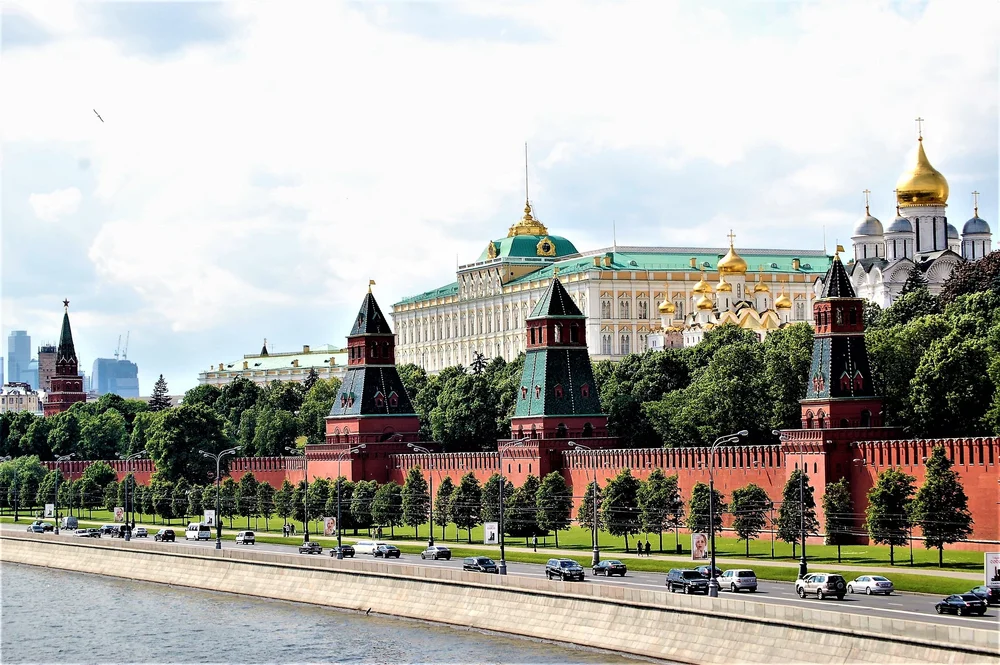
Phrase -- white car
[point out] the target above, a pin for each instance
(246, 538)
(367, 546)
(738, 579)
(140, 532)
(870, 584)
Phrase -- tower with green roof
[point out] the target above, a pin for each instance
(557, 397)
(66, 386)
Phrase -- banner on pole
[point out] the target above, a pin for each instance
(992, 572)
(491, 533)
(699, 546)
(210, 517)
(329, 526)
(119, 513)
(50, 509)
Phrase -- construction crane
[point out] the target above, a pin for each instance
(125, 350)
(118, 347)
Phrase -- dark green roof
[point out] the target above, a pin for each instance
(370, 320)
(527, 246)
(556, 303)
(567, 368)
(442, 292)
(836, 284)
(357, 394)
(67, 351)
(833, 358)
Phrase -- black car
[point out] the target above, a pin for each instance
(480, 564)
(564, 569)
(386, 551)
(311, 547)
(610, 567)
(962, 604)
(436, 552)
(687, 580)
(165, 536)
(704, 571)
(346, 549)
(989, 594)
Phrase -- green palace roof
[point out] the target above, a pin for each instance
(527, 245)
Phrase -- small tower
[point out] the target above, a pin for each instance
(66, 386)
(557, 397)
(867, 238)
(900, 240)
(976, 237)
(839, 390)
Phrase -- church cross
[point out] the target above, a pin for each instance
(866, 193)
(975, 203)
(920, 128)
(731, 237)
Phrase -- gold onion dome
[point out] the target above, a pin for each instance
(666, 307)
(761, 287)
(702, 286)
(723, 286)
(783, 302)
(923, 184)
(732, 263)
(527, 225)
(705, 303)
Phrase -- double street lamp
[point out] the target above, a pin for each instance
(803, 566)
(596, 558)
(7, 458)
(500, 450)
(130, 496)
(305, 494)
(340, 458)
(218, 480)
(713, 582)
(62, 458)
(430, 481)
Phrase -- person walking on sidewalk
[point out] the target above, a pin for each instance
(647, 548)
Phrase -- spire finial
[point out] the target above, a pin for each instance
(920, 128)
(371, 283)
(526, 174)
(866, 192)
(66, 304)
(975, 204)
(732, 236)
(895, 193)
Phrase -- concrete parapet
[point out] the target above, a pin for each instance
(643, 622)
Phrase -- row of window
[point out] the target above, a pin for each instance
(894, 455)
(624, 344)
(376, 350)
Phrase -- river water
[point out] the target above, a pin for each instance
(53, 616)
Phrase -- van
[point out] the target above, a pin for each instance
(69, 523)
(197, 531)
(367, 546)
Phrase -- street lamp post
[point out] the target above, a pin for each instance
(63, 458)
(340, 458)
(305, 495)
(500, 451)
(596, 555)
(713, 582)
(218, 481)
(130, 496)
(803, 565)
(430, 490)
(7, 458)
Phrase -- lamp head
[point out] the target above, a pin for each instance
(776, 432)
(742, 432)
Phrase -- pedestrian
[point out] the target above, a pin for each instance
(647, 548)
(534, 543)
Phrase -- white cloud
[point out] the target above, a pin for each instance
(54, 205)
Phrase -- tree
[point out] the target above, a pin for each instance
(246, 496)
(316, 407)
(319, 492)
(698, 511)
(142, 425)
(104, 436)
(299, 497)
(478, 363)
(973, 276)
(749, 506)
(949, 385)
(163, 495)
(46, 490)
(361, 503)
(941, 508)
(467, 504)
(195, 501)
(465, 417)
(387, 507)
(90, 494)
(265, 503)
(442, 504)
(554, 504)
(227, 500)
(620, 507)
(236, 397)
(345, 519)
(100, 473)
(914, 280)
(283, 501)
(523, 518)
(416, 500)
(65, 434)
(160, 399)
(910, 306)
(311, 378)
(792, 510)
(838, 508)
(67, 496)
(180, 498)
(585, 514)
(636, 379)
(787, 359)
(491, 498)
(872, 314)
(887, 517)
(655, 496)
(205, 393)
(110, 496)
(35, 442)
(176, 438)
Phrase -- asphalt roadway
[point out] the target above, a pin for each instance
(902, 605)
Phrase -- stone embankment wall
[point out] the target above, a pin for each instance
(655, 624)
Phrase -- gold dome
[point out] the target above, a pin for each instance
(732, 263)
(702, 286)
(527, 225)
(783, 302)
(923, 184)
(667, 307)
(704, 303)
(723, 286)
(761, 287)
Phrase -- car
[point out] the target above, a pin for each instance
(367, 546)
(88, 533)
(687, 580)
(386, 551)
(610, 567)
(989, 594)
(70, 523)
(140, 532)
(165, 536)
(870, 584)
(246, 538)
(822, 584)
(564, 569)
(110, 530)
(961, 604)
(481, 564)
(738, 579)
(35, 528)
(706, 571)
(436, 552)
(310, 547)
(346, 549)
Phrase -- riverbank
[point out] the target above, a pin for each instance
(639, 622)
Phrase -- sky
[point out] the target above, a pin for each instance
(258, 163)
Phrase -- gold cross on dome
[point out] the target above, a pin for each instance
(866, 192)
(731, 237)
(920, 128)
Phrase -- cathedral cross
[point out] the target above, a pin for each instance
(920, 128)
(731, 237)
(866, 193)
(975, 203)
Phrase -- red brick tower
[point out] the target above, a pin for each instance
(66, 386)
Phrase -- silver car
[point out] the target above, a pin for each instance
(738, 579)
(870, 584)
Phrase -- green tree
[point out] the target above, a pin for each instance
(504, 379)
(246, 496)
(319, 492)
(872, 314)
(35, 442)
(465, 417)
(160, 399)
(972, 277)
(45, 492)
(283, 501)
(749, 506)
(478, 363)
(124, 489)
(838, 508)
(144, 500)
(523, 518)
(265, 503)
(787, 358)
(467, 504)
(101, 473)
(620, 507)
(284, 395)
(311, 378)
(387, 507)
(163, 494)
(442, 504)
(195, 501)
(299, 495)
(110, 496)
(13, 427)
(65, 434)
(104, 436)
(914, 280)
(655, 497)
(910, 306)
(345, 519)
(227, 500)
(949, 386)
(236, 397)
(361, 503)
(792, 511)
(585, 513)
(416, 500)
(491, 498)
(636, 379)
(316, 407)
(203, 394)
(887, 517)
(941, 508)
(67, 497)
(554, 504)
(90, 493)
(699, 512)
(176, 438)
(179, 496)
(142, 425)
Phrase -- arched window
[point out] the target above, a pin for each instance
(588, 430)
(809, 419)
(623, 309)
(561, 431)
(606, 345)
(866, 418)
(625, 345)
(605, 309)
(822, 420)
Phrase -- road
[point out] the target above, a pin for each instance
(902, 605)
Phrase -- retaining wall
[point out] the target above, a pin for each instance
(655, 624)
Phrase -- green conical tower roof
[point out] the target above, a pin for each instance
(556, 303)
(66, 352)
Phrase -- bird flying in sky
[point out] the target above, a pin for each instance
(98, 115)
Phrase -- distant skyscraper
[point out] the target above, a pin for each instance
(30, 375)
(46, 365)
(111, 375)
(1, 372)
(18, 356)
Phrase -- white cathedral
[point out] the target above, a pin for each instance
(920, 237)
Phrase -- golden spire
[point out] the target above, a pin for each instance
(836, 254)
(527, 225)
(732, 263)
(371, 283)
(923, 184)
